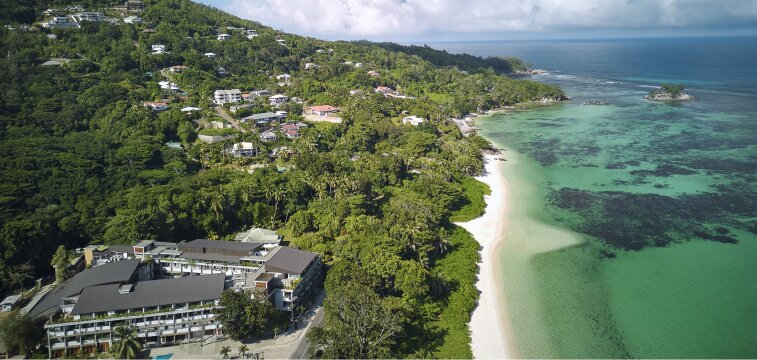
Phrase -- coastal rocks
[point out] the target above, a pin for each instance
(669, 97)
(595, 102)
(669, 93)
(532, 72)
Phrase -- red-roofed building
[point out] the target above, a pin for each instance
(322, 110)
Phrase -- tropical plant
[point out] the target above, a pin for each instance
(243, 349)
(225, 351)
(128, 344)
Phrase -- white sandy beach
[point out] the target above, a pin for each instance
(491, 328)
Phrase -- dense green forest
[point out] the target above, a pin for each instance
(466, 62)
(83, 161)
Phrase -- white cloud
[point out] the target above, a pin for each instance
(386, 18)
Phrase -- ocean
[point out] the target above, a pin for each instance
(632, 225)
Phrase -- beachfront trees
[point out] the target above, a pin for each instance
(357, 325)
(128, 344)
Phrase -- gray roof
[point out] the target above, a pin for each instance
(121, 248)
(221, 244)
(233, 259)
(144, 294)
(266, 115)
(116, 272)
(288, 260)
(11, 299)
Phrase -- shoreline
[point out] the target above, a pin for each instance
(492, 333)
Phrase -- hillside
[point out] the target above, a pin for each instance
(90, 156)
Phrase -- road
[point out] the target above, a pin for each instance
(224, 115)
(301, 352)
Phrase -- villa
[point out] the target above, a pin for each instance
(268, 136)
(156, 106)
(210, 55)
(158, 49)
(322, 110)
(278, 100)
(413, 120)
(243, 149)
(221, 97)
(264, 118)
(223, 37)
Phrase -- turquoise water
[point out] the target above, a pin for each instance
(633, 225)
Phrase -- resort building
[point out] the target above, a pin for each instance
(167, 291)
(221, 97)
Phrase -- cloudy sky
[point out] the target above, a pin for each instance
(429, 20)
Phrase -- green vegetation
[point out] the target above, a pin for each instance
(673, 91)
(244, 317)
(21, 334)
(471, 205)
(85, 162)
(466, 62)
(128, 345)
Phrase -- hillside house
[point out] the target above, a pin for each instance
(268, 136)
(223, 37)
(243, 149)
(322, 110)
(277, 100)
(156, 106)
(210, 55)
(221, 97)
(158, 48)
(413, 120)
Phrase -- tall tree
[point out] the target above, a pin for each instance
(21, 333)
(357, 325)
(128, 344)
(60, 262)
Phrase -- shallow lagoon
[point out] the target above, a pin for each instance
(633, 225)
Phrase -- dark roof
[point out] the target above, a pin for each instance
(144, 294)
(211, 257)
(289, 261)
(220, 244)
(122, 248)
(116, 272)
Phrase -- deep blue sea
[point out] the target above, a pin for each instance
(633, 229)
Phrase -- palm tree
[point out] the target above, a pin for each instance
(225, 351)
(128, 344)
(243, 350)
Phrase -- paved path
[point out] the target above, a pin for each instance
(224, 115)
(301, 352)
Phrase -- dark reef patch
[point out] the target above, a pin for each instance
(634, 221)
(664, 171)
